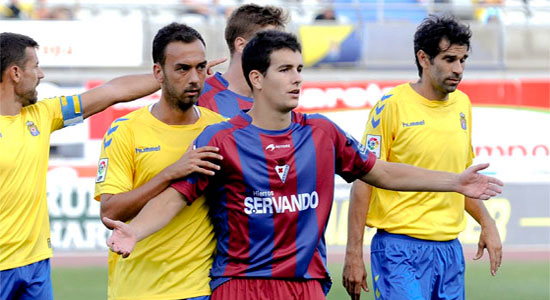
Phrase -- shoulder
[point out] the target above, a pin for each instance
(211, 116)
(461, 96)
(128, 121)
(215, 134)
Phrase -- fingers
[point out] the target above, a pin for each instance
(110, 223)
(496, 181)
(479, 253)
(476, 168)
(364, 285)
(495, 256)
(214, 63)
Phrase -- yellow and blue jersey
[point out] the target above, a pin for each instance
(24, 154)
(405, 127)
(174, 262)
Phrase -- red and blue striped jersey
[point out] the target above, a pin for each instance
(271, 200)
(216, 97)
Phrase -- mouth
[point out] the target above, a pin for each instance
(191, 92)
(295, 93)
(454, 80)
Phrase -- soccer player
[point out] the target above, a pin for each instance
(229, 93)
(272, 197)
(415, 253)
(140, 157)
(25, 128)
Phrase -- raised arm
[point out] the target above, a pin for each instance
(125, 206)
(156, 214)
(121, 89)
(402, 177)
(354, 276)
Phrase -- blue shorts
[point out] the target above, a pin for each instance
(32, 282)
(407, 268)
(198, 298)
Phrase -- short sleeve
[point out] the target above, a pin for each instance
(378, 134)
(116, 163)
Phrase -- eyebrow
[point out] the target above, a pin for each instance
(184, 65)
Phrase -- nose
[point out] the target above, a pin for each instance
(40, 73)
(194, 76)
(458, 68)
(297, 77)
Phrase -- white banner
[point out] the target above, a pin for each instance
(114, 43)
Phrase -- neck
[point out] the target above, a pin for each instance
(9, 106)
(234, 75)
(172, 115)
(425, 88)
(266, 117)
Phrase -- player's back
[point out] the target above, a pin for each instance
(218, 98)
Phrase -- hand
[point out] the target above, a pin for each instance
(354, 276)
(490, 239)
(212, 64)
(478, 186)
(195, 160)
(123, 240)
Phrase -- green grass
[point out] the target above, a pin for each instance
(515, 280)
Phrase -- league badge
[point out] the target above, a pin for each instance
(463, 121)
(102, 170)
(32, 128)
(373, 144)
(282, 171)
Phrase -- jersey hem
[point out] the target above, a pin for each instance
(26, 262)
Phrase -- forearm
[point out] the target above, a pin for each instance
(359, 205)
(125, 206)
(120, 89)
(403, 177)
(478, 211)
(157, 213)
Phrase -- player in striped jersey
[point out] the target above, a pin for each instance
(272, 197)
(25, 128)
(229, 93)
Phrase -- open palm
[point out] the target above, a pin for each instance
(123, 240)
(479, 186)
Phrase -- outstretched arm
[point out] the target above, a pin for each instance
(354, 276)
(402, 177)
(489, 237)
(125, 206)
(121, 89)
(156, 214)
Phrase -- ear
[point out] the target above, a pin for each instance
(14, 72)
(239, 44)
(256, 78)
(158, 73)
(423, 59)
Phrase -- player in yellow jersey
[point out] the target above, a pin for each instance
(415, 253)
(25, 128)
(141, 155)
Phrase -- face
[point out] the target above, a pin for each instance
(445, 72)
(183, 74)
(30, 75)
(283, 80)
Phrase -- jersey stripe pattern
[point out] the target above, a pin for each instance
(218, 98)
(272, 197)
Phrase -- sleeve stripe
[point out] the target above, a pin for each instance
(70, 109)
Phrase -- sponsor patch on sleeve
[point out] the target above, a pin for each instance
(102, 170)
(373, 144)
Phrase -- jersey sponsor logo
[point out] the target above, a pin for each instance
(102, 170)
(147, 149)
(281, 204)
(463, 121)
(373, 144)
(272, 147)
(282, 171)
(412, 124)
(32, 128)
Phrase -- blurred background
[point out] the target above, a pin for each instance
(354, 51)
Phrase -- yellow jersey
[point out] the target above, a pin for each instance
(24, 154)
(405, 127)
(173, 263)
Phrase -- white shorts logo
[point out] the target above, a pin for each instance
(373, 144)
(102, 170)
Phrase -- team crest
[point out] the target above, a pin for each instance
(102, 170)
(32, 128)
(282, 171)
(373, 144)
(463, 121)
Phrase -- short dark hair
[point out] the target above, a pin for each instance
(12, 50)
(257, 53)
(248, 19)
(435, 28)
(172, 33)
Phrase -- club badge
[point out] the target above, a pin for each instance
(282, 171)
(463, 121)
(32, 128)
